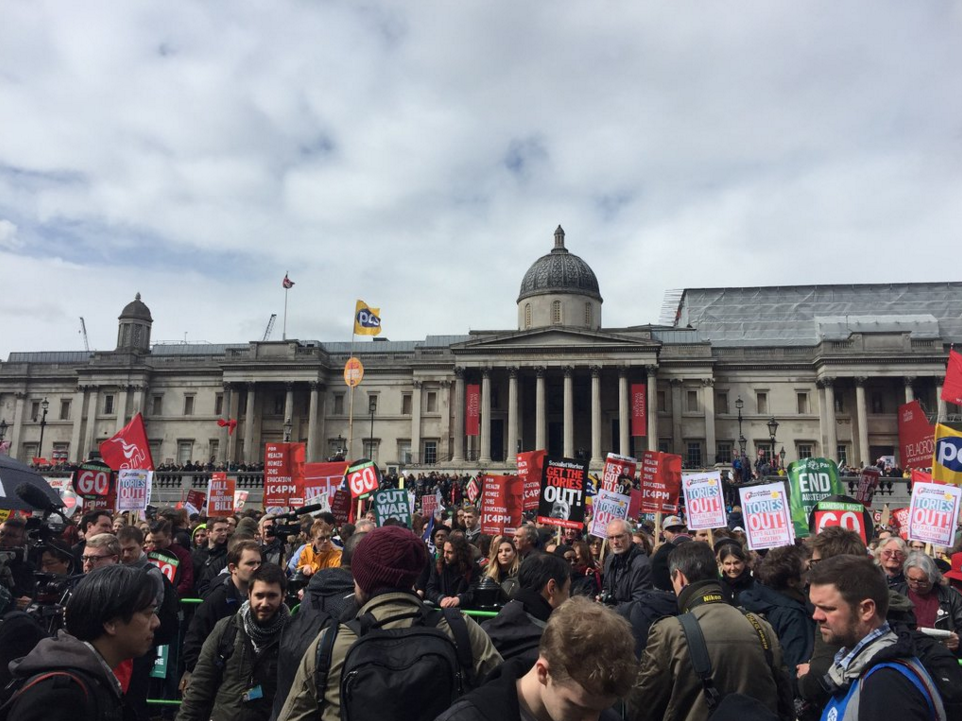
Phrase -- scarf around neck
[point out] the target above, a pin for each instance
(264, 635)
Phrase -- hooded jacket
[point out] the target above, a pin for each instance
(60, 698)
(790, 619)
(223, 600)
(643, 613)
(516, 630)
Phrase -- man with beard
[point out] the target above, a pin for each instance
(235, 678)
(627, 570)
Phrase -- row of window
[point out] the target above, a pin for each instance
(557, 314)
(726, 450)
(803, 404)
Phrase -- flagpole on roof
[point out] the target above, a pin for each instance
(287, 289)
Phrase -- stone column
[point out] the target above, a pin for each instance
(249, 425)
(139, 398)
(289, 406)
(77, 410)
(17, 429)
(122, 408)
(90, 436)
(233, 412)
(444, 404)
(940, 404)
(569, 412)
(624, 429)
(223, 445)
(485, 416)
(909, 390)
(863, 451)
(458, 455)
(708, 389)
(540, 424)
(416, 422)
(312, 423)
(512, 413)
(831, 429)
(596, 458)
(652, 372)
(676, 416)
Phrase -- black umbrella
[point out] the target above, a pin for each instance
(14, 474)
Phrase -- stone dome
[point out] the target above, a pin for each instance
(137, 310)
(559, 272)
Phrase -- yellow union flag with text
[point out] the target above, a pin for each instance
(947, 455)
(367, 320)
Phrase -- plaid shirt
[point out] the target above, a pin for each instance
(844, 658)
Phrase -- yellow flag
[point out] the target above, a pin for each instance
(367, 320)
(947, 456)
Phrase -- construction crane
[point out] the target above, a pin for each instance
(270, 326)
(83, 332)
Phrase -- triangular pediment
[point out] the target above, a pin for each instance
(554, 338)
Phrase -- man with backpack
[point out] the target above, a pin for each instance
(235, 678)
(110, 619)
(397, 659)
(692, 661)
(876, 674)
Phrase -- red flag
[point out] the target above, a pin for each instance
(287, 282)
(229, 423)
(952, 388)
(128, 448)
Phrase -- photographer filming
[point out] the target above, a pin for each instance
(13, 560)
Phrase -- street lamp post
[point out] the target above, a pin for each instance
(772, 431)
(371, 407)
(288, 428)
(742, 441)
(781, 455)
(3, 429)
(44, 405)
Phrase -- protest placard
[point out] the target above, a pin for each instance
(618, 473)
(473, 490)
(562, 501)
(283, 474)
(501, 504)
(768, 519)
(166, 561)
(240, 500)
(933, 513)
(196, 502)
(322, 479)
(809, 481)
(844, 511)
(341, 505)
(867, 483)
(133, 487)
(392, 503)
(900, 519)
(608, 507)
(220, 495)
(363, 478)
(704, 500)
(530, 465)
(660, 482)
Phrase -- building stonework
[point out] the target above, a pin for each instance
(830, 363)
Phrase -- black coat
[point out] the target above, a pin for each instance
(789, 617)
(516, 630)
(208, 563)
(641, 614)
(627, 575)
(451, 582)
(732, 588)
(224, 599)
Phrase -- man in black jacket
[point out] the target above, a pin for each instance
(224, 599)
(545, 583)
(209, 561)
(109, 619)
(577, 675)
(627, 569)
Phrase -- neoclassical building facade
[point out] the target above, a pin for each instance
(830, 364)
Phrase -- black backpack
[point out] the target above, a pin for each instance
(410, 673)
(169, 615)
(95, 706)
(19, 633)
(943, 666)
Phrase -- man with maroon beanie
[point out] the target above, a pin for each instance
(385, 565)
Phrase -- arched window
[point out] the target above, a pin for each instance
(588, 315)
(527, 315)
(556, 312)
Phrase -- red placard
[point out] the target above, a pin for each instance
(530, 464)
(283, 468)
(916, 436)
(615, 467)
(501, 504)
(472, 410)
(220, 495)
(363, 479)
(429, 504)
(341, 505)
(900, 519)
(196, 500)
(639, 415)
(473, 489)
(867, 483)
(321, 479)
(166, 562)
(660, 482)
(92, 479)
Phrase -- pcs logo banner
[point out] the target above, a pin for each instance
(367, 320)
(947, 459)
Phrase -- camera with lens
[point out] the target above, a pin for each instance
(50, 598)
(608, 598)
(282, 530)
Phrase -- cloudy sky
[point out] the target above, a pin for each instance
(420, 155)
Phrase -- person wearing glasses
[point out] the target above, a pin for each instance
(320, 552)
(936, 605)
(627, 572)
(891, 555)
(100, 551)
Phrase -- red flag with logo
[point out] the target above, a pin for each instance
(639, 420)
(952, 387)
(472, 410)
(128, 448)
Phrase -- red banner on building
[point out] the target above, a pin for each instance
(283, 474)
(472, 410)
(916, 436)
(220, 495)
(639, 413)
(501, 504)
(660, 482)
(321, 479)
(530, 464)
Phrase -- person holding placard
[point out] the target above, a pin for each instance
(936, 605)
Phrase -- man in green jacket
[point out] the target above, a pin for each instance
(236, 674)
(385, 565)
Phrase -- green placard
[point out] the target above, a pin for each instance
(809, 481)
(392, 503)
(159, 669)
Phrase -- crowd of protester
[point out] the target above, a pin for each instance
(253, 617)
